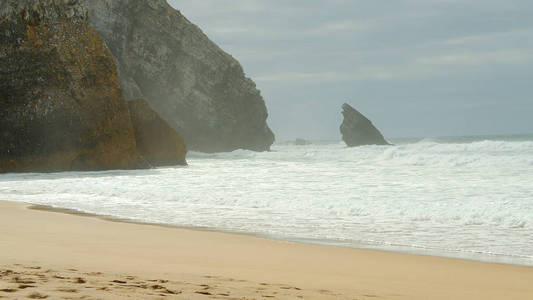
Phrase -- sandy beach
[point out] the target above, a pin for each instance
(53, 255)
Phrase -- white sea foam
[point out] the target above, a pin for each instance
(470, 199)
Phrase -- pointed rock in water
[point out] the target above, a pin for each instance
(61, 104)
(199, 89)
(156, 141)
(357, 130)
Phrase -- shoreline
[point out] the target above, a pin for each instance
(248, 266)
(467, 256)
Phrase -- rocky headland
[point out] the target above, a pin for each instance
(199, 89)
(61, 101)
(357, 130)
(68, 67)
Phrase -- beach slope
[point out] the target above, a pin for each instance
(65, 256)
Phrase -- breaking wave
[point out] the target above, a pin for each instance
(455, 198)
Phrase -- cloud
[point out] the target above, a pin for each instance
(214, 7)
(417, 68)
(421, 57)
(327, 77)
(516, 36)
(310, 77)
(511, 56)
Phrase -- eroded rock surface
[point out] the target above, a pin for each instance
(156, 141)
(357, 130)
(61, 103)
(200, 90)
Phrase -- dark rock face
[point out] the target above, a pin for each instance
(61, 103)
(156, 141)
(357, 130)
(200, 90)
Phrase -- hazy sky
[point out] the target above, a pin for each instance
(414, 67)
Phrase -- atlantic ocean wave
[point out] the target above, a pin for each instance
(469, 199)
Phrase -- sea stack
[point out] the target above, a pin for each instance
(357, 130)
(199, 89)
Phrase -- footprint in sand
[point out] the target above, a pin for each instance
(203, 293)
(164, 290)
(25, 286)
(80, 280)
(6, 273)
(22, 280)
(67, 290)
(37, 296)
(119, 281)
(290, 288)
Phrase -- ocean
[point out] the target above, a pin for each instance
(465, 197)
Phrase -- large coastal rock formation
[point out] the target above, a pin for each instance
(61, 105)
(357, 130)
(61, 102)
(156, 141)
(198, 88)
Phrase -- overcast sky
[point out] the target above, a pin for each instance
(416, 68)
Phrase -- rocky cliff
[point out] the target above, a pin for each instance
(156, 141)
(198, 88)
(61, 102)
(61, 105)
(357, 130)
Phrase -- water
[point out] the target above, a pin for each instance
(459, 197)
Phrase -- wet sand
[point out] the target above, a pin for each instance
(54, 255)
